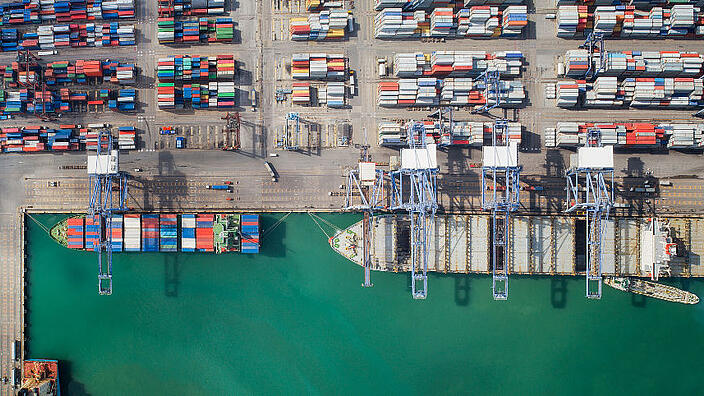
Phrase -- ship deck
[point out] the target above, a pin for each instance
(539, 245)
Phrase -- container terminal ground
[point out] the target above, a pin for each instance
(173, 179)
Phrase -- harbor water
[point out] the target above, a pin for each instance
(294, 319)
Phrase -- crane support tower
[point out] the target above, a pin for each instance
(590, 183)
(414, 189)
(594, 44)
(28, 62)
(368, 182)
(500, 195)
(105, 181)
(492, 80)
(232, 127)
(446, 121)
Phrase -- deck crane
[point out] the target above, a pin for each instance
(368, 181)
(594, 44)
(291, 133)
(414, 189)
(590, 183)
(500, 195)
(103, 174)
(232, 127)
(492, 84)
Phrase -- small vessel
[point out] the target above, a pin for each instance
(651, 289)
(40, 377)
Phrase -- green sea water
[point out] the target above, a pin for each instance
(294, 320)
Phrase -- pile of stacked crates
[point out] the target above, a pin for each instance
(74, 232)
(93, 233)
(301, 93)
(457, 63)
(478, 21)
(204, 233)
(199, 31)
(334, 94)
(318, 66)
(49, 37)
(196, 82)
(680, 20)
(463, 133)
(326, 25)
(636, 63)
(250, 233)
(125, 101)
(126, 136)
(168, 241)
(132, 232)
(188, 233)
(150, 233)
(431, 91)
(47, 11)
(628, 135)
(116, 233)
(37, 138)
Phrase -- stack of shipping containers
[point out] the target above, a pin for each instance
(250, 233)
(457, 63)
(150, 232)
(188, 233)
(204, 232)
(168, 236)
(132, 232)
(196, 82)
(93, 233)
(116, 233)
(628, 135)
(74, 232)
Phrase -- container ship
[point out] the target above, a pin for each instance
(40, 377)
(151, 232)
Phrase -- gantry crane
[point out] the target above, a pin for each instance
(446, 123)
(232, 127)
(27, 63)
(590, 183)
(492, 88)
(594, 44)
(291, 132)
(105, 179)
(414, 189)
(368, 181)
(500, 195)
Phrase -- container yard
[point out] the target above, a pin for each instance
(313, 87)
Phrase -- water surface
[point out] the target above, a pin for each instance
(294, 320)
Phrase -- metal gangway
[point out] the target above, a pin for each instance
(414, 189)
(368, 182)
(590, 184)
(501, 195)
(105, 182)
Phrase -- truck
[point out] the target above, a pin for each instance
(167, 130)
(254, 99)
(353, 86)
(180, 142)
(221, 187)
(382, 66)
(272, 171)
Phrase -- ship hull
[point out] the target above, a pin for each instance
(652, 289)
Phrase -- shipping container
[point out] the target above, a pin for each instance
(150, 233)
(132, 232)
(250, 233)
(188, 233)
(168, 236)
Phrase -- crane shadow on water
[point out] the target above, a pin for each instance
(558, 292)
(171, 274)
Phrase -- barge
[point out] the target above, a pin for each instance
(40, 377)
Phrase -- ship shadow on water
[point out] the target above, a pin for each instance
(462, 289)
(67, 384)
